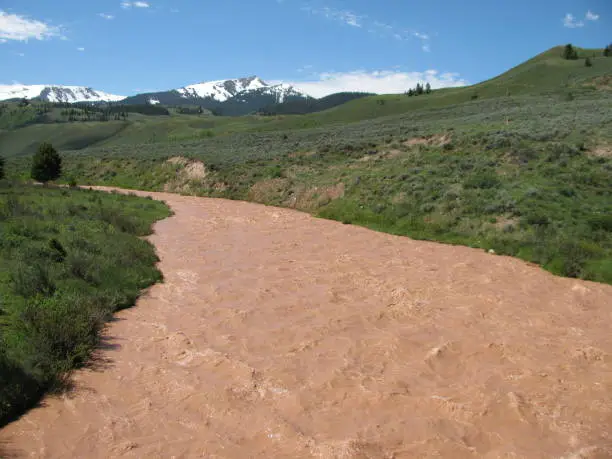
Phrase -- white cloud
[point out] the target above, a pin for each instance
(570, 22)
(374, 27)
(81, 49)
(138, 4)
(106, 16)
(344, 16)
(380, 82)
(590, 16)
(21, 28)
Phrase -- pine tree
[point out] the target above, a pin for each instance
(410, 92)
(608, 51)
(569, 53)
(46, 164)
(419, 89)
(588, 63)
(428, 88)
(1, 167)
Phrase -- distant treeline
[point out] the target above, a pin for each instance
(311, 105)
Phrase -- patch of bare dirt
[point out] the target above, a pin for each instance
(602, 82)
(601, 151)
(313, 198)
(189, 174)
(437, 140)
(280, 335)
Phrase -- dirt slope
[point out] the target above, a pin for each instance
(280, 335)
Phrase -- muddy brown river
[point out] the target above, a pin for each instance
(279, 335)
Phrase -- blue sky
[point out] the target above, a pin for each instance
(323, 46)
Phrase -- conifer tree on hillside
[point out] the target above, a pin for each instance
(427, 88)
(569, 53)
(1, 167)
(46, 164)
(608, 50)
(587, 62)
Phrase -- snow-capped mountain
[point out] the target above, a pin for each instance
(56, 93)
(221, 90)
(229, 97)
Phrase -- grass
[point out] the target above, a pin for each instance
(69, 258)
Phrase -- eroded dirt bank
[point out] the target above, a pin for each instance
(280, 335)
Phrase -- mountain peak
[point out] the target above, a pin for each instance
(56, 93)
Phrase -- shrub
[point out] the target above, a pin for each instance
(58, 253)
(601, 222)
(482, 180)
(30, 280)
(588, 63)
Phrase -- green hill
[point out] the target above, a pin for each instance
(547, 74)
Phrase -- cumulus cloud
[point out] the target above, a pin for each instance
(571, 22)
(106, 16)
(590, 16)
(20, 28)
(138, 4)
(380, 82)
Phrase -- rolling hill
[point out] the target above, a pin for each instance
(520, 164)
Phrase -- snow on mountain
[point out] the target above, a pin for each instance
(283, 91)
(224, 90)
(56, 93)
(221, 90)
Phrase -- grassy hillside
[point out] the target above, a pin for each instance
(546, 75)
(520, 164)
(68, 260)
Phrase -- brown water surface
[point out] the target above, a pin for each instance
(278, 335)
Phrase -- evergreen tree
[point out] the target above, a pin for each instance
(608, 51)
(419, 89)
(410, 92)
(46, 164)
(1, 167)
(428, 88)
(569, 53)
(588, 63)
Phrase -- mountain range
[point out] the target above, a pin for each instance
(228, 97)
(56, 93)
